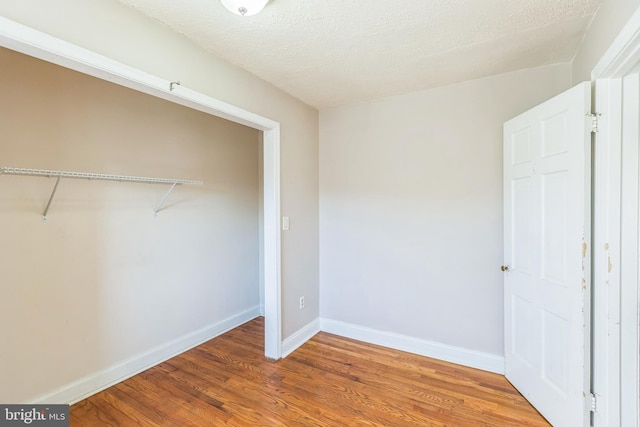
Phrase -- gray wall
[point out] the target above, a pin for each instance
(411, 208)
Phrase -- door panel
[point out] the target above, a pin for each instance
(522, 227)
(554, 239)
(547, 206)
(522, 323)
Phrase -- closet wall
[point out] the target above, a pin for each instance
(104, 281)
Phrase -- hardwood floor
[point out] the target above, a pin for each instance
(329, 381)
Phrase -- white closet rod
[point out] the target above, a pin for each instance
(95, 176)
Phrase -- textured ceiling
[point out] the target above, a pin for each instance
(334, 52)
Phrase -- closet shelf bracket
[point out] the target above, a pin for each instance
(53, 193)
(98, 177)
(164, 199)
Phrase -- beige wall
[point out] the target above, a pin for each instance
(104, 280)
(411, 208)
(117, 31)
(608, 22)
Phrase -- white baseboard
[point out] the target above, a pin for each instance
(92, 384)
(458, 355)
(300, 337)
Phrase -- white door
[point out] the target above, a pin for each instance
(547, 155)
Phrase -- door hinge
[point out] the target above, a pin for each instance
(591, 402)
(594, 121)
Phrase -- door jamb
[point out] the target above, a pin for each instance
(609, 331)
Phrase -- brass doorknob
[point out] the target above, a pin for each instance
(505, 268)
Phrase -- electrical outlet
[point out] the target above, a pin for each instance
(301, 303)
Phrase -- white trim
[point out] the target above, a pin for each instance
(31, 42)
(300, 337)
(623, 53)
(94, 383)
(272, 244)
(447, 353)
(606, 253)
(629, 252)
(613, 258)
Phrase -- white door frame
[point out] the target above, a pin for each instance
(616, 337)
(34, 43)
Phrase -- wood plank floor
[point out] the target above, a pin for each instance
(329, 381)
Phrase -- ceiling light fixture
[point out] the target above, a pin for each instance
(244, 7)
